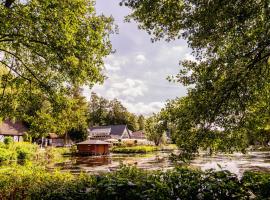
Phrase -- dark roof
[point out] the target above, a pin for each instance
(109, 130)
(7, 127)
(93, 142)
(138, 135)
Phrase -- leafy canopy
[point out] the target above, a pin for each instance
(50, 45)
(230, 41)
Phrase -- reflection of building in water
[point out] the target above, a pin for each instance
(93, 161)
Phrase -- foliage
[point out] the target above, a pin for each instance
(105, 112)
(230, 73)
(17, 151)
(29, 182)
(258, 183)
(134, 149)
(8, 140)
(49, 45)
(155, 129)
(141, 122)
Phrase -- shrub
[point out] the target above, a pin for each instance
(7, 155)
(28, 182)
(258, 183)
(8, 140)
(134, 149)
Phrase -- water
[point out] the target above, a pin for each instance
(236, 163)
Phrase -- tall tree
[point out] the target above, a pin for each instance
(155, 129)
(49, 45)
(98, 110)
(230, 41)
(141, 122)
(110, 112)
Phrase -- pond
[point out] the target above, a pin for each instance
(236, 163)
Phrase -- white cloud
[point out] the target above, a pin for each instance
(109, 67)
(179, 48)
(140, 59)
(114, 63)
(143, 108)
(120, 87)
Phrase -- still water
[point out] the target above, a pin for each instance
(236, 163)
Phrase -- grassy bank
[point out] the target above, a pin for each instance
(28, 182)
(134, 149)
(17, 152)
(22, 152)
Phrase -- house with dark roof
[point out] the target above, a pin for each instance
(16, 130)
(110, 132)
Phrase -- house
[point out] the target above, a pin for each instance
(110, 132)
(16, 130)
(58, 141)
(93, 147)
(138, 135)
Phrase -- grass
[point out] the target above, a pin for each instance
(134, 149)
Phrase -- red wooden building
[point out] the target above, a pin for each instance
(93, 147)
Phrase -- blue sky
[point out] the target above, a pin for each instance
(138, 69)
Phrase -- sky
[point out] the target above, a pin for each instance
(138, 69)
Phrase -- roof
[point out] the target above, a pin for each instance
(116, 130)
(138, 135)
(7, 127)
(93, 142)
(53, 135)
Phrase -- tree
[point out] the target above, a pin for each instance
(230, 42)
(42, 117)
(105, 112)
(155, 129)
(98, 110)
(141, 122)
(51, 45)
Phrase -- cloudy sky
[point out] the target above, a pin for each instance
(138, 69)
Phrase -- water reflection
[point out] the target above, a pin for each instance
(236, 163)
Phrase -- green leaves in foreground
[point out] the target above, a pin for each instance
(131, 183)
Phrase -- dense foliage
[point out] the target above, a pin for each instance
(155, 129)
(12, 152)
(112, 112)
(131, 183)
(48, 47)
(228, 96)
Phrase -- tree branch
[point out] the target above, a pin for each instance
(27, 68)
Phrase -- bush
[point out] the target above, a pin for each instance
(7, 155)
(29, 182)
(258, 183)
(17, 151)
(134, 149)
(8, 140)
